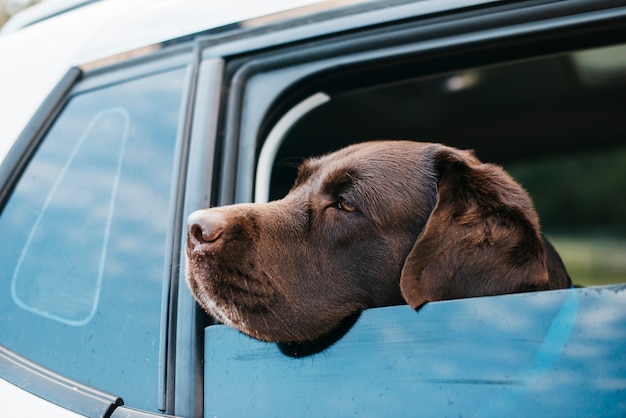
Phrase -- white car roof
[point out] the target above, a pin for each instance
(34, 59)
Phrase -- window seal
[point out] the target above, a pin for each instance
(186, 329)
(55, 388)
(275, 139)
(19, 155)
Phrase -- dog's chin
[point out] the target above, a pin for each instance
(308, 348)
(270, 320)
(274, 330)
(290, 342)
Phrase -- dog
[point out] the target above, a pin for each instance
(374, 224)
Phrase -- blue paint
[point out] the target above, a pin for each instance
(557, 353)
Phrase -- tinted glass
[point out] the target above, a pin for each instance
(84, 237)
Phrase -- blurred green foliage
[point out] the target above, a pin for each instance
(581, 200)
(592, 260)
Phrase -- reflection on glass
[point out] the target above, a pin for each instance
(68, 289)
(84, 237)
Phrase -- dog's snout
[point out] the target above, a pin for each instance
(205, 226)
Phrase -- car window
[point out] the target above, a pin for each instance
(84, 239)
(555, 123)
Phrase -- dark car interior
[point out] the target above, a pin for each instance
(556, 123)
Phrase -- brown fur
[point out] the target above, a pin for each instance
(373, 224)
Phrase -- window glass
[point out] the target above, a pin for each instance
(547, 354)
(84, 237)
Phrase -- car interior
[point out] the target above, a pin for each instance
(556, 123)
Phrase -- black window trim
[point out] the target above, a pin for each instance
(55, 388)
(275, 139)
(478, 39)
(62, 391)
(20, 153)
(169, 295)
(197, 192)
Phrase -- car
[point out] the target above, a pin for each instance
(120, 118)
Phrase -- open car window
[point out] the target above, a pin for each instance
(554, 123)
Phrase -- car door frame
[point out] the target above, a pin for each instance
(266, 72)
(263, 84)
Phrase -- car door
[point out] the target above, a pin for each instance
(504, 78)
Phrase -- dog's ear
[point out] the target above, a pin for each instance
(482, 237)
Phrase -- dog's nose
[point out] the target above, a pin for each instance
(205, 226)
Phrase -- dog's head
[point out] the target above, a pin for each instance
(373, 224)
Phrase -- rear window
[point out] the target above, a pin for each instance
(84, 239)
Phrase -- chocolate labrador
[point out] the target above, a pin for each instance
(374, 224)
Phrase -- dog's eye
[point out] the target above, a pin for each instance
(346, 206)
